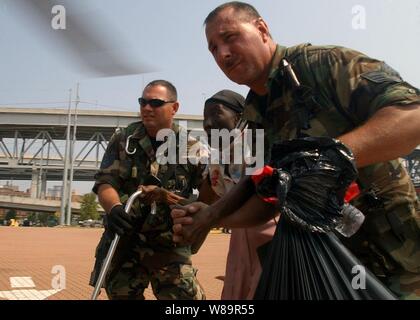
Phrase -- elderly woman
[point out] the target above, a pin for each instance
(243, 268)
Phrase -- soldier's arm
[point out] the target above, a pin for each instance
(253, 213)
(151, 193)
(190, 229)
(107, 179)
(390, 133)
(108, 197)
(384, 108)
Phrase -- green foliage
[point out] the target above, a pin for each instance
(89, 207)
(47, 219)
(32, 217)
(43, 218)
(11, 214)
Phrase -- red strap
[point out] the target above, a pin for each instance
(352, 192)
(260, 174)
(271, 200)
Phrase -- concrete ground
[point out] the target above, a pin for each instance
(33, 260)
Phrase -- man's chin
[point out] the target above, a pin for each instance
(237, 77)
(148, 121)
(149, 125)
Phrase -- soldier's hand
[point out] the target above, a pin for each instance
(152, 193)
(119, 221)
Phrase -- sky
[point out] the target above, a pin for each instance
(166, 38)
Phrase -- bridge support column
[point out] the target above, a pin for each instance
(43, 191)
(34, 183)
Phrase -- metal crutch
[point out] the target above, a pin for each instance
(113, 246)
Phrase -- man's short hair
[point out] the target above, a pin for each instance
(248, 11)
(172, 94)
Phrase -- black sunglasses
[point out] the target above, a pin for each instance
(154, 103)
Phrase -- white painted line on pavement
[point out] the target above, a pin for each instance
(21, 282)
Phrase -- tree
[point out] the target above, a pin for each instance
(89, 207)
(32, 217)
(43, 218)
(11, 214)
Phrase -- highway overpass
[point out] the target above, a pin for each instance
(34, 146)
(33, 140)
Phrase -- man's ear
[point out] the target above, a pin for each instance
(175, 108)
(263, 28)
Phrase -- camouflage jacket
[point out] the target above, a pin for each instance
(340, 90)
(125, 173)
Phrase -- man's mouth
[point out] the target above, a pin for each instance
(231, 65)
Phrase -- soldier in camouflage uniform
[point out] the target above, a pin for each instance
(336, 92)
(146, 253)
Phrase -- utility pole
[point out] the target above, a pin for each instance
(66, 166)
(72, 156)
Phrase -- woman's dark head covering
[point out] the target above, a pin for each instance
(229, 99)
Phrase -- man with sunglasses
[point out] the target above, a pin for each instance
(146, 253)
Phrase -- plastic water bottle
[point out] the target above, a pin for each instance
(351, 221)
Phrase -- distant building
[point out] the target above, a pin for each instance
(11, 190)
(54, 192)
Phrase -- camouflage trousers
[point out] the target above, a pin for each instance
(391, 253)
(405, 285)
(169, 271)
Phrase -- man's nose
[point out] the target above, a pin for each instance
(147, 107)
(224, 53)
(207, 126)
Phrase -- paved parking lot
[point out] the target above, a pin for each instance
(34, 259)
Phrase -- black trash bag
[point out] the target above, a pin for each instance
(306, 261)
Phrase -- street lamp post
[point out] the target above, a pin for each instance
(66, 161)
(72, 157)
